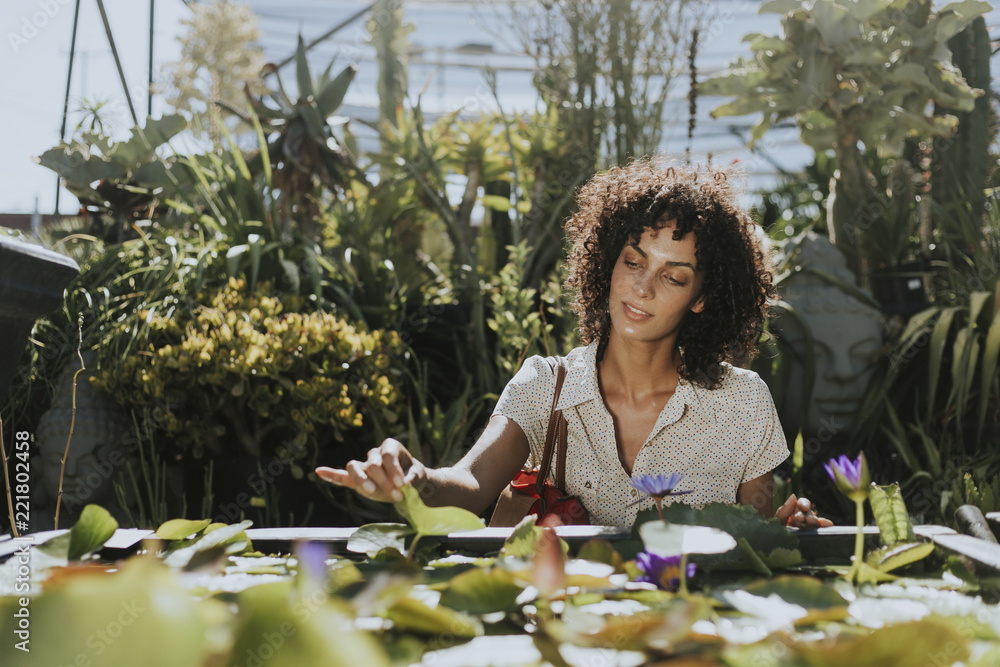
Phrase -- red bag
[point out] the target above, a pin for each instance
(530, 492)
(568, 509)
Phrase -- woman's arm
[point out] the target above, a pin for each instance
(798, 512)
(472, 483)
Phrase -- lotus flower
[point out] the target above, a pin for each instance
(851, 477)
(659, 487)
(664, 571)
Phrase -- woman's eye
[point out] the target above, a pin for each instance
(675, 281)
(631, 265)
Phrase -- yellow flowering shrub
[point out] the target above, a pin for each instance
(238, 373)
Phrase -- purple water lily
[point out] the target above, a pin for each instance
(851, 477)
(311, 557)
(659, 487)
(664, 571)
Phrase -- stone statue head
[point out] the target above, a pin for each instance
(846, 336)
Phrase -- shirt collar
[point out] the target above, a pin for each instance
(580, 385)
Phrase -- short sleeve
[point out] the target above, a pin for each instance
(527, 399)
(769, 440)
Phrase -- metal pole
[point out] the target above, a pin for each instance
(69, 79)
(118, 62)
(149, 78)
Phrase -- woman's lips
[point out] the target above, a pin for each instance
(635, 314)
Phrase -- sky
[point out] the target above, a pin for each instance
(36, 36)
(34, 54)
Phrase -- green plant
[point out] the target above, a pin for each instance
(936, 397)
(388, 32)
(853, 75)
(518, 317)
(220, 54)
(240, 370)
(961, 164)
(129, 174)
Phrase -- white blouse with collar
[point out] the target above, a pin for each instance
(717, 438)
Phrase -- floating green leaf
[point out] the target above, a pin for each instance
(178, 529)
(523, 539)
(409, 613)
(435, 520)
(373, 537)
(95, 527)
(481, 591)
(904, 644)
(109, 620)
(781, 558)
(807, 592)
(280, 629)
(601, 551)
(896, 556)
(230, 536)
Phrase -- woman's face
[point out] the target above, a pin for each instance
(654, 285)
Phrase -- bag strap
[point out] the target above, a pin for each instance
(555, 436)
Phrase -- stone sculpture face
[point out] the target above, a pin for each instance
(846, 337)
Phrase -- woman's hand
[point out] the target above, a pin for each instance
(799, 513)
(387, 469)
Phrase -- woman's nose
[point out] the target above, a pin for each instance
(643, 285)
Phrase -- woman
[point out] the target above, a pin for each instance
(670, 286)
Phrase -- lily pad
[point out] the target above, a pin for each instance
(374, 537)
(408, 613)
(178, 529)
(765, 536)
(904, 644)
(669, 539)
(95, 527)
(888, 559)
(280, 629)
(601, 551)
(435, 520)
(481, 591)
(523, 539)
(807, 592)
(232, 536)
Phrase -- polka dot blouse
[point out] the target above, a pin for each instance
(717, 438)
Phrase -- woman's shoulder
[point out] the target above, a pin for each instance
(740, 385)
(543, 369)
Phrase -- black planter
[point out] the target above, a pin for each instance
(32, 280)
(900, 290)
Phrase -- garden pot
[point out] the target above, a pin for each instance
(900, 290)
(102, 446)
(32, 280)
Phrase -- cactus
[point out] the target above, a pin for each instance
(960, 163)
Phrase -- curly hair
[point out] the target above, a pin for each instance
(617, 206)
